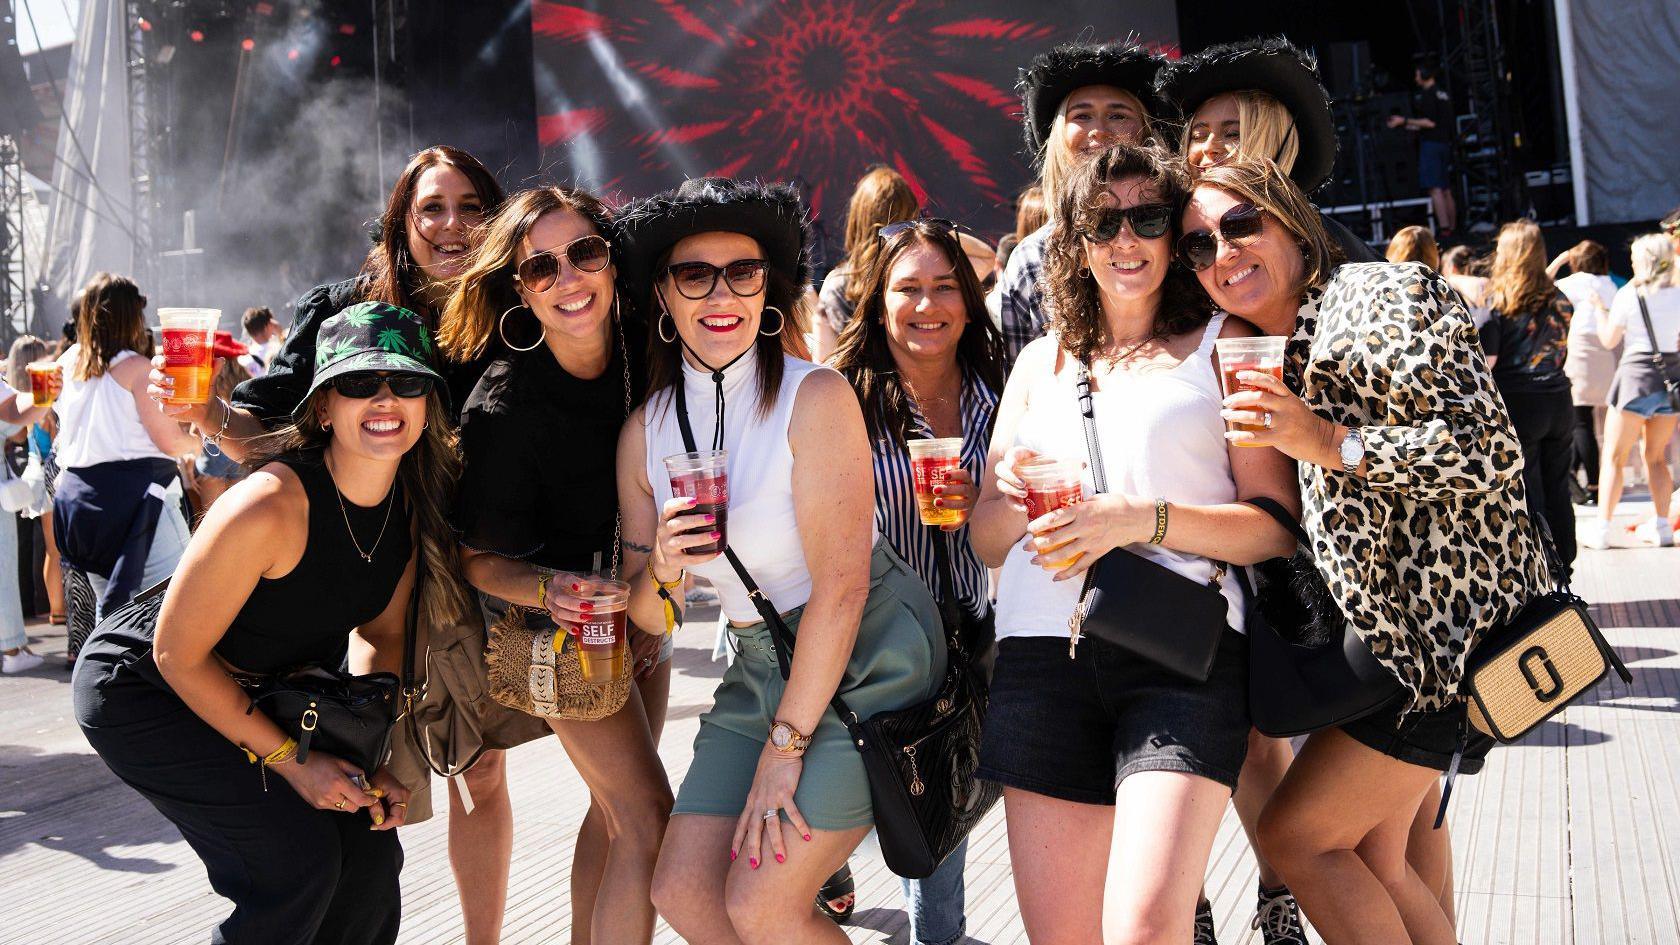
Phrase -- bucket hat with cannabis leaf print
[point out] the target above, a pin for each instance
(373, 336)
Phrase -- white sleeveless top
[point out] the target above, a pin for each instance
(762, 526)
(97, 421)
(1161, 435)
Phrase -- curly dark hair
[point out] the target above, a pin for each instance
(1071, 294)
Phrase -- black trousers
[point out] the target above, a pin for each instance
(1586, 444)
(296, 875)
(1545, 423)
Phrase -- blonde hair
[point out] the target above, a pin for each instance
(882, 196)
(1057, 161)
(25, 348)
(1519, 282)
(1262, 183)
(1653, 261)
(1265, 129)
(1414, 244)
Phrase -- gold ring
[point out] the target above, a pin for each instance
(340, 804)
(398, 804)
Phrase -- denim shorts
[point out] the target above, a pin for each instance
(1073, 729)
(1654, 404)
(1426, 739)
(1433, 158)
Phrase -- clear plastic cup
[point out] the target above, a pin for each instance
(46, 379)
(1263, 354)
(703, 477)
(604, 635)
(931, 461)
(187, 358)
(1052, 484)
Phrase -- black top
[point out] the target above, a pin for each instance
(273, 396)
(1531, 346)
(306, 615)
(540, 449)
(1436, 105)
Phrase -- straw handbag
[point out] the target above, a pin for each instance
(529, 673)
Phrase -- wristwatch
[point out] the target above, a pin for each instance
(1352, 451)
(787, 740)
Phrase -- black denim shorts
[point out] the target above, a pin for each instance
(1073, 729)
(1426, 738)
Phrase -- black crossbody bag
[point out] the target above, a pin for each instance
(323, 709)
(1658, 363)
(920, 760)
(1148, 610)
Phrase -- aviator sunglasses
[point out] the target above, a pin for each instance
(945, 226)
(696, 280)
(364, 384)
(1150, 221)
(586, 253)
(1241, 223)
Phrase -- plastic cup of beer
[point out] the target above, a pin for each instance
(703, 477)
(187, 358)
(931, 462)
(46, 379)
(1052, 484)
(604, 635)
(1263, 354)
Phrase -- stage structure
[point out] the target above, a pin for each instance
(14, 278)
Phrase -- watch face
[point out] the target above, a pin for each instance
(780, 736)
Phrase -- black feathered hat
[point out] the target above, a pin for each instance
(1051, 76)
(769, 213)
(1272, 65)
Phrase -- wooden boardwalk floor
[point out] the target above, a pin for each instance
(1572, 837)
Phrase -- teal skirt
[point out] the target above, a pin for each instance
(898, 660)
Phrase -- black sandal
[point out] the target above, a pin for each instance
(839, 886)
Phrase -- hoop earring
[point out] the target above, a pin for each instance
(1084, 273)
(659, 326)
(781, 322)
(500, 322)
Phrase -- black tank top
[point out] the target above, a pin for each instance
(306, 615)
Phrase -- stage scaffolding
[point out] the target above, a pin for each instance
(1474, 63)
(14, 282)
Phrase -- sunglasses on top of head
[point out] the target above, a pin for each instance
(1150, 221)
(362, 385)
(938, 223)
(696, 280)
(1240, 224)
(538, 271)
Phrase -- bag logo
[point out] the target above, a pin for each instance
(1553, 684)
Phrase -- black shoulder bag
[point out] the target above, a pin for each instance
(1658, 363)
(1307, 670)
(921, 759)
(1144, 608)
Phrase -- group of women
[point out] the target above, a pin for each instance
(573, 348)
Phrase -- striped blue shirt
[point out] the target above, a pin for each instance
(895, 500)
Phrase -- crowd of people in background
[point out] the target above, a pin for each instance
(475, 429)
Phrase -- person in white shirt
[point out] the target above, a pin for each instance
(263, 335)
(1646, 312)
(1589, 364)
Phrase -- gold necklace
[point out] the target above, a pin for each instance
(389, 496)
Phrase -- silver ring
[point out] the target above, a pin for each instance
(771, 813)
(1267, 419)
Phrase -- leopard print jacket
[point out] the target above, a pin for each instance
(1434, 547)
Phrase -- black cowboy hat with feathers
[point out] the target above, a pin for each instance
(772, 214)
(1272, 65)
(1052, 75)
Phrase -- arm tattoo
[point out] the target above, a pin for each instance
(640, 549)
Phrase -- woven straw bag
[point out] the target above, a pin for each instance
(530, 674)
(1529, 670)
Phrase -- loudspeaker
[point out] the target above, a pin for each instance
(1346, 68)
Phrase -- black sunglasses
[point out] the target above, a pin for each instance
(1199, 248)
(538, 271)
(893, 229)
(364, 384)
(1150, 221)
(696, 280)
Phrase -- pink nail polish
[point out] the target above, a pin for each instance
(753, 862)
(781, 858)
(716, 535)
(711, 518)
(732, 856)
(807, 838)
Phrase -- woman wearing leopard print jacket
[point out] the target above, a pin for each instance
(1412, 493)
